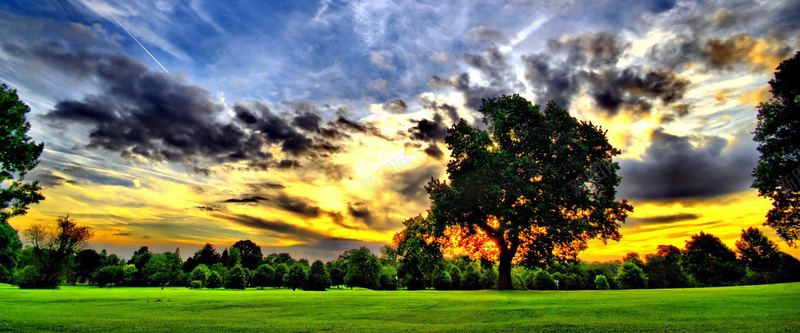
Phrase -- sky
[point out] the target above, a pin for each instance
(311, 127)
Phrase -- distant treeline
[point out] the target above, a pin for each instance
(705, 261)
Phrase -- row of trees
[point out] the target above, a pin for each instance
(55, 256)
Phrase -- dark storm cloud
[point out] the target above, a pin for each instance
(327, 249)
(360, 211)
(662, 219)
(297, 205)
(307, 121)
(434, 152)
(251, 199)
(265, 186)
(411, 183)
(428, 130)
(275, 228)
(673, 169)
(494, 67)
(47, 178)
(634, 88)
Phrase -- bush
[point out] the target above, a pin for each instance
(488, 278)
(196, 284)
(200, 273)
(601, 282)
(631, 276)
(442, 280)
(472, 279)
(237, 278)
(28, 277)
(388, 282)
(108, 275)
(518, 282)
(263, 276)
(318, 277)
(214, 280)
(541, 280)
(296, 277)
(455, 278)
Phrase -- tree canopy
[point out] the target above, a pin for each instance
(534, 185)
(778, 136)
(54, 245)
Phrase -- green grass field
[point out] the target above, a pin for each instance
(81, 308)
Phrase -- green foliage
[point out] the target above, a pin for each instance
(631, 276)
(280, 271)
(601, 282)
(455, 277)
(318, 277)
(264, 276)
(337, 276)
(214, 281)
(19, 155)
(200, 273)
(529, 171)
(207, 255)
(778, 135)
(163, 268)
(129, 275)
(442, 280)
(234, 258)
(10, 247)
(363, 269)
(250, 253)
(54, 246)
(518, 281)
(471, 279)
(29, 277)
(757, 252)
(418, 255)
(237, 279)
(663, 268)
(86, 262)
(710, 262)
(488, 278)
(296, 277)
(541, 280)
(196, 284)
(107, 275)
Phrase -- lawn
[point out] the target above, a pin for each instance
(772, 308)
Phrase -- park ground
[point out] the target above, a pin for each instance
(762, 308)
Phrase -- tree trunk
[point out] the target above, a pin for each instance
(504, 270)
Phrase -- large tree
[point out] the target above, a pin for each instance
(758, 253)
(778, 136)
(53, 245)
(250, 252)
(536, 184)
(18, 155)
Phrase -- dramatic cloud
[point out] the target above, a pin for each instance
(662, 219)
(275, 228)
(674, 169)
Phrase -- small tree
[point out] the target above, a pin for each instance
(263, 276)
(214, 281)
(54, 245)
(757, 252)
(250, 253)
(337, 277)
(200, 273)
(106, 276)
(455, 277)
(237, 279)
(318, 277)
(363, 269)
(280, 273)
(601, 282)
(296, 277)
(631, 276)
(663, 268)
(442, 280)
(163, 268)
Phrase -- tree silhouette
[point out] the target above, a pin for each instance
(53, 245)
(250, 253)
(318, 278)
(710, 261)
(758, 252)
(18, 155)
(778, 134)
(535, 184)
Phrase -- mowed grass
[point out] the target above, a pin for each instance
(770, 308)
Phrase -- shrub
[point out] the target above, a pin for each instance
(263, 276)
(455, 278)
(541, 280)
(488, 278)
(214, 280)
(573, 282)
(296, 277)
(28, 277)
(200, 273)
(518, 282)
(318, 277)
(388, 282)
(471, 279)
(196, 284)
(108, 275)
(601, 282)
(631, 276)
(237, 278)
(442, 280)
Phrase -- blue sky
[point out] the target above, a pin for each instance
(165, 121)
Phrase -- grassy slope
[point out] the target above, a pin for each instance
(749, 308)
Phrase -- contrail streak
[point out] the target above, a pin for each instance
(140, 44)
